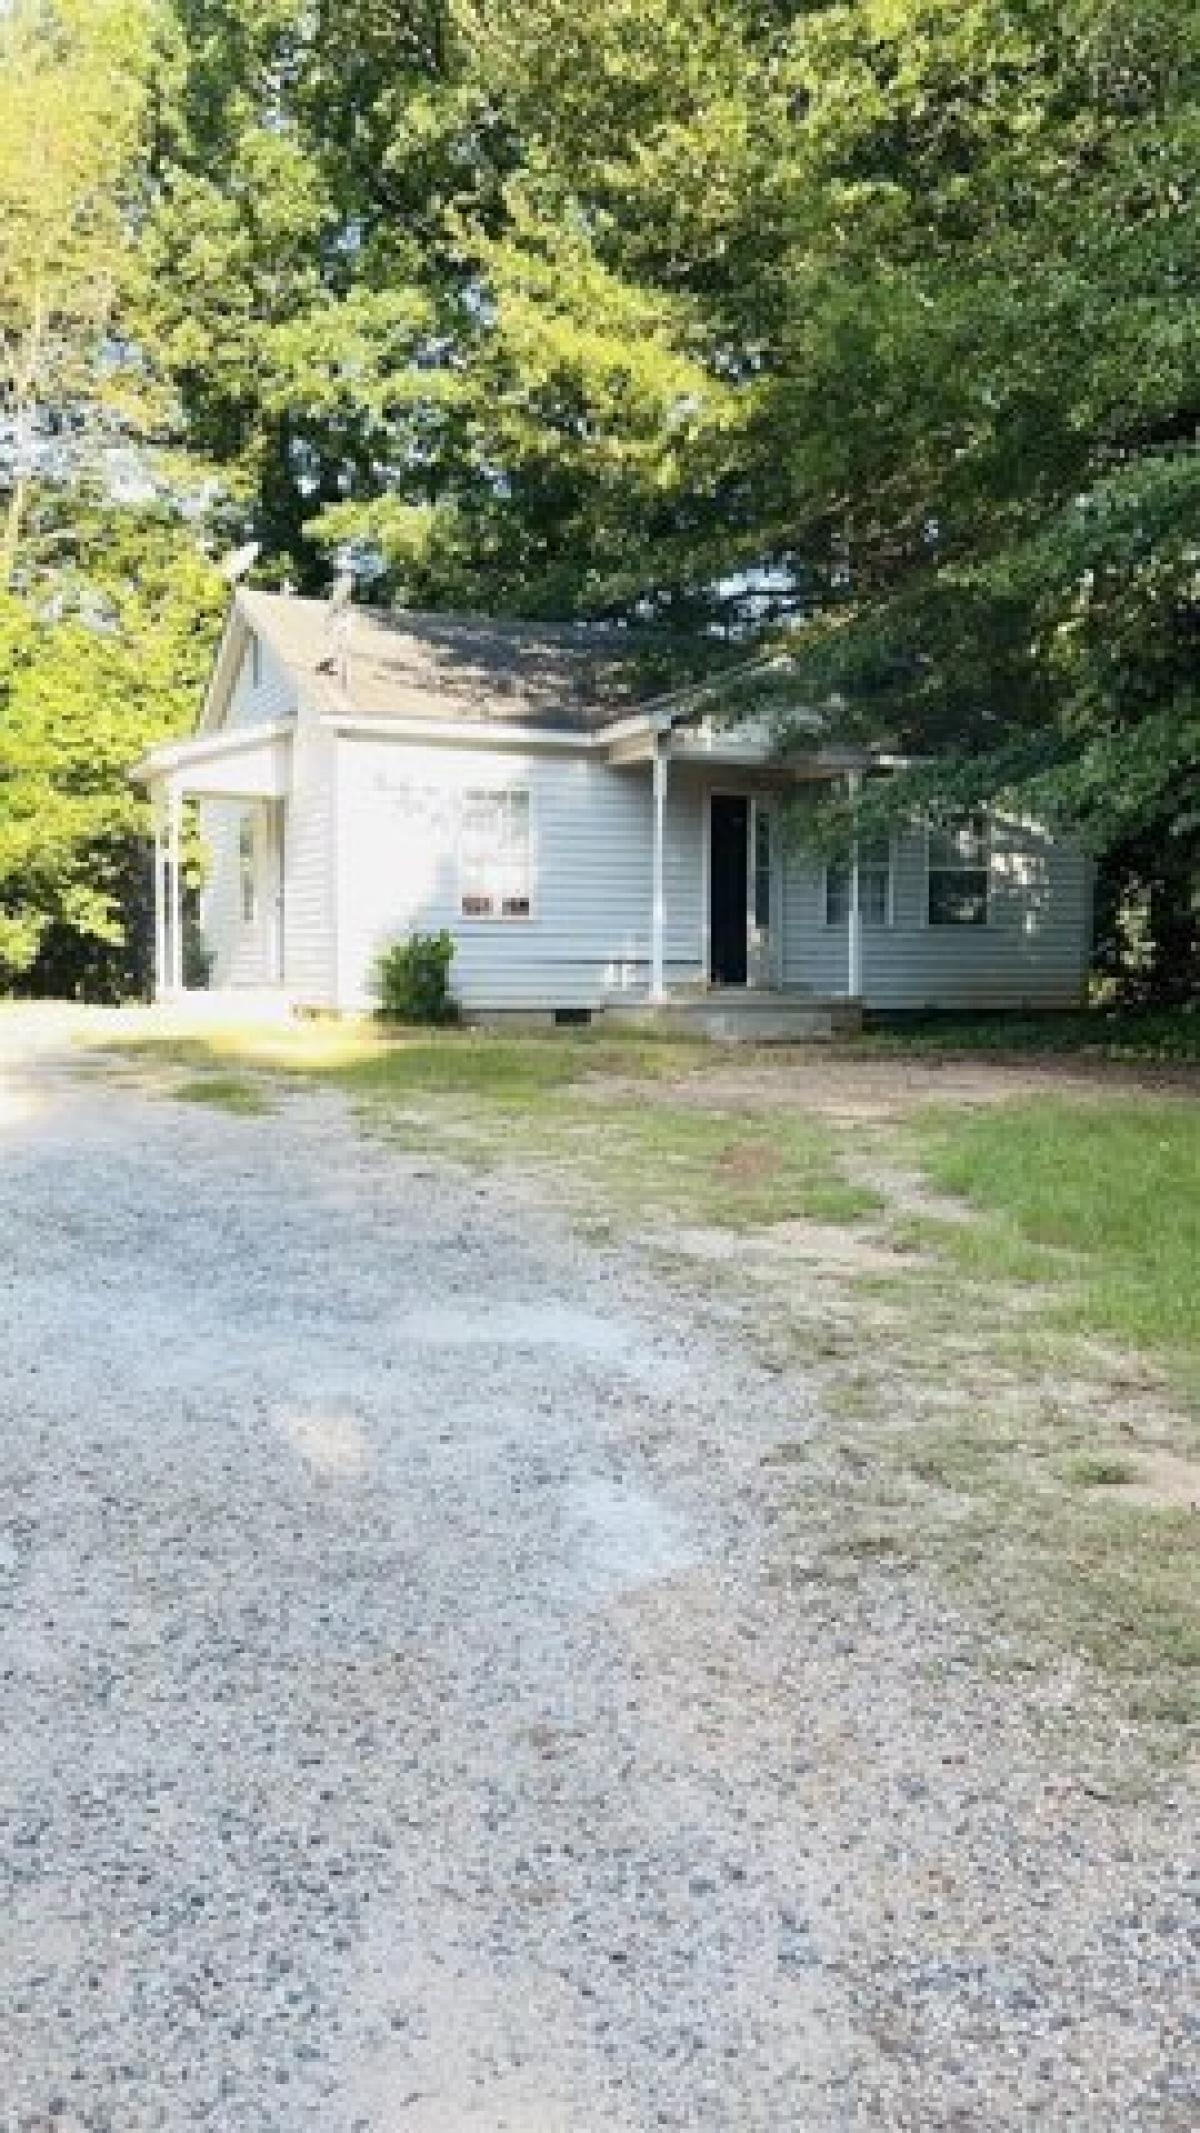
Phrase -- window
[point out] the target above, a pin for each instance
(762, 868)
(247, 870)
(874, 884)
(959, 873)
(256, 662)
(495, 855)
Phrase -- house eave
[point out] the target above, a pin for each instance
(460, 733)
(177, 757)
(627, 743)
(230, 647)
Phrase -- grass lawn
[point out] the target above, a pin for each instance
(1111, 1188)
(358, 1056)
(243, 1094)
(605, 1116)
(1007, 1345)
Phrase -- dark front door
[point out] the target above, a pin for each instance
(729, 850)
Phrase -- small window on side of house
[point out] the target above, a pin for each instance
(495, 855)
(256, 662)
(874, 885)
(959, 873)
(247, 871)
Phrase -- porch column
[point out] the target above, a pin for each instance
(658, 916)
(175, 861)
(160, 902)
(854, 959)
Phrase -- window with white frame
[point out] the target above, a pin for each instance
(874, 884)
(256, 668)
(247, 870)
(495, 855)
(959, 873)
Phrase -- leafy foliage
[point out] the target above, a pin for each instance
(412, 979)
(74, 82)
(946, 284)
(84, 689)
(861, 335)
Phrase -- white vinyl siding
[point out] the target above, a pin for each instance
(1033, 951)
(263, 690)
(247, 954)
(245, 949)
(587, 938)
(235, 907)
(373, 848)
(309, 972)
(874, 885)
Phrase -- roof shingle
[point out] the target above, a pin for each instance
(405, 665)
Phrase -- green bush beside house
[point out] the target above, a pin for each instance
(412, 980)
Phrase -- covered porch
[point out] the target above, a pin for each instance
(747, 982)
(252, 769)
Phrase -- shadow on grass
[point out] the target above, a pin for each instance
(1156, 1036)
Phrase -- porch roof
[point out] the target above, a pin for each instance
(749, 745)
(249, 763)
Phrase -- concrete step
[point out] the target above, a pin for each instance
(742, 1017)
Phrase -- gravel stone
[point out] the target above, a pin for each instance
(407, 1728)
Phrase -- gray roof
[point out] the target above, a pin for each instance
(403, 665)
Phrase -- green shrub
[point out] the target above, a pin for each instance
(412, 979)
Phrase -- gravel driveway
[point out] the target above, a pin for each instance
(412, 1723)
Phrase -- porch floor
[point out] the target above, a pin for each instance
(736, 1015)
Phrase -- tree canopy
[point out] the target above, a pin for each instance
(863, 333)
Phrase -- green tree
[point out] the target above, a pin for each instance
(591, 461)
(118, 665)
(74, 80)
(934, 271)
(1004, 539)
(107, 608)
(302, 291)
(864, 334)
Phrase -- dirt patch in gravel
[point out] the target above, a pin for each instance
(849, 1089)
(1162, 1478)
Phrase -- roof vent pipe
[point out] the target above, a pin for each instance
(338, 618)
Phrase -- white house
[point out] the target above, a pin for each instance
(364, 777)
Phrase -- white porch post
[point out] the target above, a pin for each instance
(854, 958)
(174, 855)
(160, 903)
(658, 916)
